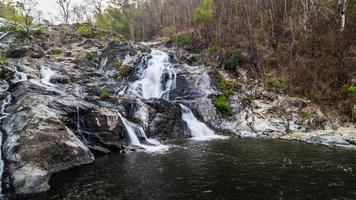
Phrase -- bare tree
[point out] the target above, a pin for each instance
(26, 8)
(64, 9)
(97, 4)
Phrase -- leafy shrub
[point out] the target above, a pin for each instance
(104, 93)
(212, 48)
(222, 105)
(184, 40)
(124, 71)
(192, 59)
(204, 12)
(39, 31)
(351, 90)
(89, 55)
(115, 75)
(54, 52)
(235, 57)
(84, 31)
(305, 113)
(275, 84)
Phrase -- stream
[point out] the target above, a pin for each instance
(216, 169)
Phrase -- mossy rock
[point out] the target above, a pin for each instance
(104, 93)
(125, 71)
(54, 52)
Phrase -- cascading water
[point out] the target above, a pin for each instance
(79, 130)
(158, 77)
(198, 130)
(46, 74)
(19, 76)
(133, 130)
(5, 102)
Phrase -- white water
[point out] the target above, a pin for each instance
(133, 130)
(157, 79)
(19, 76)
(3, 35)
(198, 130)
(46, 74)
(5, 102)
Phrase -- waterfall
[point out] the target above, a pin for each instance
(133, 131)
(198, 130)
(79, 130)
(46, 74)
(157, 78)
(5, 102)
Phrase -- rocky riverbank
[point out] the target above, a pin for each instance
(67, 97)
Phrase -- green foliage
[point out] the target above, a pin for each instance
(275, 84)
(5, 74)
(235, 57)
(315, 97)
(351, 90)
(222, 105)
(39, 31)
(192, 59)
(204, 12)
(305, 113)
(184, 40)
(124, 71)
(54, 52)
(227, 87)
(89, 55)
(104, 93)
(113, 20)
(84, 31)
(212, 49)
(116, 75)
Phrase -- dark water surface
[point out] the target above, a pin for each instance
(222, 169)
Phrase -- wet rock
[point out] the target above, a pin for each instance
(34, 51)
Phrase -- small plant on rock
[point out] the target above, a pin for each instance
(104, 93)
(124, 71)
(89, 55)
(54, 52)
(275, 84)
(351, 90)
(222, 105)
(84, 31)
(184, 40)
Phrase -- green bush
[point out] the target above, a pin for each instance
(275, 84)
(104, 93)
(192, 59)
(222, 105)
(235, 57)
(115, 75)
(54, 52)
(305, 113)
(124, 71)
(89, 55)
(351, 90)
(212, 49)
(84, 31)
(184, 40)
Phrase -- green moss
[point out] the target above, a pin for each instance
(222, 105)
(104, 93)
(351, 90)
(89, 55)
(117, 63)
(184, 40)
(235, 57)
(84, 31)
(5, 74)
(275, 84)
(54, 52)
